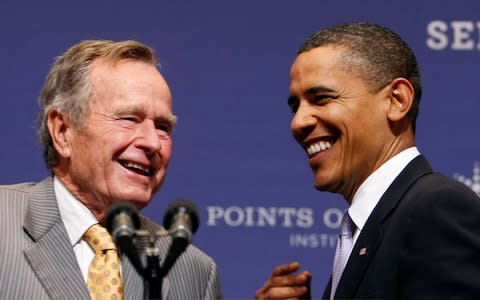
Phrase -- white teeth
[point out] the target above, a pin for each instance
(130, 164)
(317, 147)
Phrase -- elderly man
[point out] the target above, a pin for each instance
(105, 125)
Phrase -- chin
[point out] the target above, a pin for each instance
(325, 186)
(320, 187)
(319, 183)
(139, 200)
(139, 204)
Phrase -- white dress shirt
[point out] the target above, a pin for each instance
(372, 189)
(77, 218)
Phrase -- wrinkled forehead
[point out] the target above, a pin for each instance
(129, 81)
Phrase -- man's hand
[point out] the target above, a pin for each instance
(283, 284)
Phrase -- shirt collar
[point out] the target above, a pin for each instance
(76, 217)
(372, 189)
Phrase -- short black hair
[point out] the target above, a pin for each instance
(374, 53)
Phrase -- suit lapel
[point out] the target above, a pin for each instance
(131, 279)
(372, 233)
(51, 256)
(328, 289)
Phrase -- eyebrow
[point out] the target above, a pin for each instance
(318, 89)
(131, 109)
(172, 119)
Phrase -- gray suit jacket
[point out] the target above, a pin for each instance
(37, 260)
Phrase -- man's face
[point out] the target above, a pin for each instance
(341, 125)
(123, 148)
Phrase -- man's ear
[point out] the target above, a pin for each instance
(60, 130)
(401, 99)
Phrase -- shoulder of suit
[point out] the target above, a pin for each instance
(23, 187)
(436, 189)
(19, 187)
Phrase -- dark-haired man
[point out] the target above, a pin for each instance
(409, 233)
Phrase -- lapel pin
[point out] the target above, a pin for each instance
(363, 251)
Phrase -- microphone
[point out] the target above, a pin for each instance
(181, 220)
(122, 222)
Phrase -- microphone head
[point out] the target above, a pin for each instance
(125, 209)
(181, 206)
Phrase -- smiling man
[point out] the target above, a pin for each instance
(105, 124)
(409, 233)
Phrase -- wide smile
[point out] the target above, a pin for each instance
(318, 147)
(137, 168)
(313, 148)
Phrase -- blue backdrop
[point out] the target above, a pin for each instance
(227, 63)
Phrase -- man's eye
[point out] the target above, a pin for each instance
(163, 128)
(323, 99)
(164, 131)
(166, 128)
(129, 118)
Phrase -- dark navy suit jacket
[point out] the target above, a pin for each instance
(422, 241)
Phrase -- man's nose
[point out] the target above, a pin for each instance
(303, 122)
(149, 137)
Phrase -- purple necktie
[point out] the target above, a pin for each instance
(344, 247)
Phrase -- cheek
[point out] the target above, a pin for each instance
(166, 150)
(83, 149)
(116, 141)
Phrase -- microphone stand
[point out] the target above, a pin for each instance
(152, 275)
(122, 219)
(152, 272)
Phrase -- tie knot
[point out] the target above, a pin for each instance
(348, 226)
(99, 239)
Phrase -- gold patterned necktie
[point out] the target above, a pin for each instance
(104, 280)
